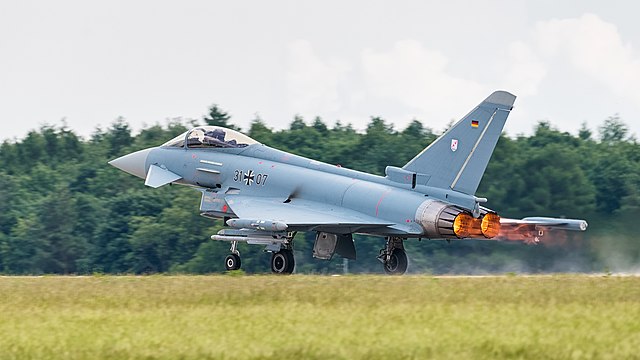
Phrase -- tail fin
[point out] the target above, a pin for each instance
(458, 159)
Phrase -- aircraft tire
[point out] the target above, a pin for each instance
(291, 262)
(397, 264)
(232, 262)
(282, 262)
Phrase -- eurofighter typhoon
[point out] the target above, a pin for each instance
(265, 196)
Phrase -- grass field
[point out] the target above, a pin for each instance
(319, 317)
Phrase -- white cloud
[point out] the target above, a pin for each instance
(411, 80)
(595, 48)
(526, 70)
(312, 84)
(417, 77)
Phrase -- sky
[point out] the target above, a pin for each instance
(86, 63)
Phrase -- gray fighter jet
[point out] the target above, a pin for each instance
(265, 196)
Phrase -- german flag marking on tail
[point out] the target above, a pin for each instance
(474, 123)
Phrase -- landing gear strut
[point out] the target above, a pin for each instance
(232, 261)
(393, 256)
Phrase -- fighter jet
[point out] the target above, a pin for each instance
(265, 196)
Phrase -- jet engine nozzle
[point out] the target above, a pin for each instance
(466, 226)
(445, 221)
(441, 220)
(463, 225)
(490, 225)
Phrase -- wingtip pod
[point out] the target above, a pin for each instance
(503, 98)
(559, 223)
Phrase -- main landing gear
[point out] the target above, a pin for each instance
(393, 256)
(282, 262)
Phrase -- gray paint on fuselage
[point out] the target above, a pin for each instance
(294, 176)
(424, 198)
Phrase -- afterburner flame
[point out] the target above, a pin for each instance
(466, 226)
(490, 225)
(462, 225)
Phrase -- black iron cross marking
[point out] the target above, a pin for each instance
(249, 177)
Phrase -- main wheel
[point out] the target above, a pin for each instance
(282, 262)
(232, 262)
(397, 264)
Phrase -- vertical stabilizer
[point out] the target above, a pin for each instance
(458, 159)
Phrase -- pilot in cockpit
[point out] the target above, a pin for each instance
(215, 138)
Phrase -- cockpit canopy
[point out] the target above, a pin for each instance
(211, 137)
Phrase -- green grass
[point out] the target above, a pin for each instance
(319, 317)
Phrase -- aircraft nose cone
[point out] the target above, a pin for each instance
(133, 163)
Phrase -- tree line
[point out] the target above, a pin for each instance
(63, 210)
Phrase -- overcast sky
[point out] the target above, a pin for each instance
(90, 62)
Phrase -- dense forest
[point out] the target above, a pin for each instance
(63, 210)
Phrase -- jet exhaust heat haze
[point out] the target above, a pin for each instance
(265, 196)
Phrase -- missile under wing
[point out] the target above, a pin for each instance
(265, 196)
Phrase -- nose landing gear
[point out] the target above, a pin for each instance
(232, 261)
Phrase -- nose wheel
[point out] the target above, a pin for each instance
(282, 262)
(232, 261)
